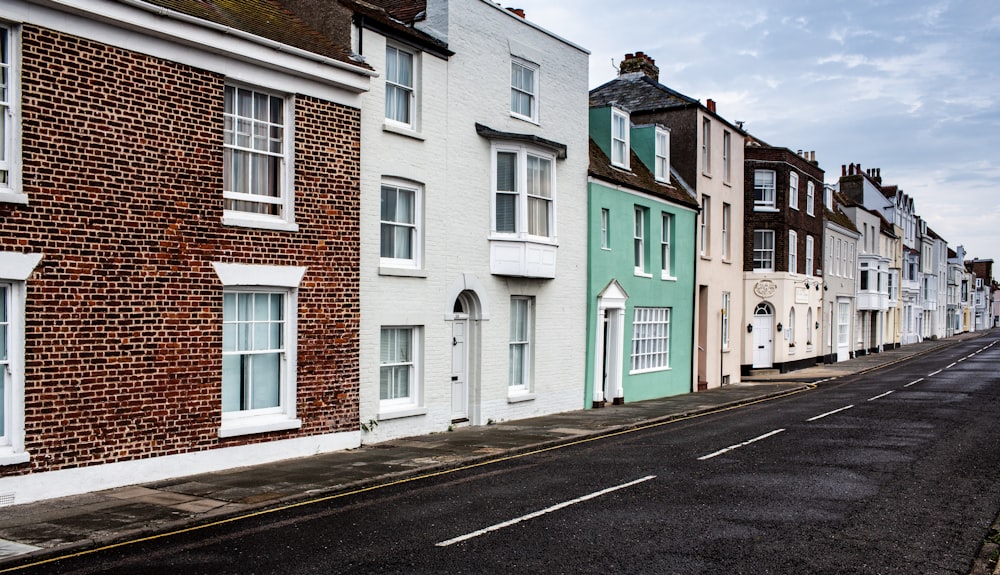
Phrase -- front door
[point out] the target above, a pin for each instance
(459, 370)
(843, 330)
(763, 319)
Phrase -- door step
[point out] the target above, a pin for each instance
(769, 371)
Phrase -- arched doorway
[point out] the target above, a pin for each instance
(763, 344)
(464, 339)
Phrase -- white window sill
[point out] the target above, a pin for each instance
(9, 457)
(668, 278)
(400, 130)
(384, 270)
(654, 370)
(518, 397)
(241, 221)
(765, 209)
(641, 274)
(8, 197)
(252, 425)
(525, 118)
(398, 413)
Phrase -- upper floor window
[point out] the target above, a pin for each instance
(793, 190)
(810, 248)
(662, 162)
(525, 187)
(810, 198)
(727, 158)
(256, 156)
(666, 255)
(605, 229)
(726, 223)
(399, 86)
(706, 218)
(763, 189)
(400, 225)
(793, 252)
(706, 146)
(619, 139)
(9, 119)
(763, 250)
(524, 90)
(639, 241)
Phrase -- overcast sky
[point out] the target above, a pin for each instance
(908, 86)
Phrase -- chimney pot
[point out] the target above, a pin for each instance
(843, 170)
(639, 62)
(518, 11)
(711, 105)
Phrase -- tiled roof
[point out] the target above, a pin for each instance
(637, 92)
(264, 18)
(388, 22)
(407, 11)
(838, 217)
(639, 178)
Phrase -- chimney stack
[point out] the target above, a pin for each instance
(517, 11)
(639, 62)
(710, 103)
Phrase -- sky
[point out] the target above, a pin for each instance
(911, 87)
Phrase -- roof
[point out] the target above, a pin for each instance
(838, 217)
(265, 18)
(638, 178)
(406, 11)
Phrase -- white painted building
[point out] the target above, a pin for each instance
(473, 219)
(840, 245)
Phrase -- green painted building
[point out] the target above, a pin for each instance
(641, 264)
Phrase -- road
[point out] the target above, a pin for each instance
(890, 472)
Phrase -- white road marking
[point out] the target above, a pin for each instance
(951, 365)
(499, 526)
(914, 382)
(934, 373)
(739, 445)
(822, 415)
(880, 396)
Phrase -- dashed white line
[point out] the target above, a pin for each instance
(822, 415)
(880, 396)
(934, 373)
(557, 507)
(739, 445)
(951, 365)
(914, 382)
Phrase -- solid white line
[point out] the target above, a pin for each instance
(880, 396)
(822, 415)
(914, 382)
(934, 373)
(499, 526)
(739, 445)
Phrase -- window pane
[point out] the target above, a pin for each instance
(506, 172)
(266, 381)
(506, 213)
(232, 383)
(538, 217)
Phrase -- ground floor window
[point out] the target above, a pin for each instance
(398, 366)
(519, 349)
(253, 350)
(651, 339)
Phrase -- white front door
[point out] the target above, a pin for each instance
(843, 330)
(459, 370)
(762, 341)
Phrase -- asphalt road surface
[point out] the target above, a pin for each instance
(890, 472)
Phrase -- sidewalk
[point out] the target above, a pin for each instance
(56, 526)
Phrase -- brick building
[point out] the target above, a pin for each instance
(782, 257)
(179, 241)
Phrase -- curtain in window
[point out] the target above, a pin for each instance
(519, 310)
(252, 350)
(398, 217)
(399, 85)
(522, 82)
(253, 148)
(539, 195)
(396, 362)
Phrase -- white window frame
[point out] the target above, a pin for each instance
(285, 280)
(763, 192)
(416, 231)
(706, 227)
(727, 216)
(650, 340)
(10, 117)
(726, 302)
(810, 198)
(843, 323)
(620, 139)
(662, 155)
(666, 255)
(412, 364)
(810, 258)
(521, 341)
(605, 229)
(232, 215)
(764, 253)
(793, 190)
(519, 90)
(14, 271)
(727, 160)
(793, 252)
(790, 330)
(395, 85)
(809, 328)
(522, 197)
(706, 146)
(639, 233)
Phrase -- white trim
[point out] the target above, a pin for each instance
(162, 33)
(17, 266)
(259, 275)
(79, 480)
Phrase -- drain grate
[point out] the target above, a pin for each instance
(6, 499)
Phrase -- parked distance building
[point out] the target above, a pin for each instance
(783, 231)
(706, 152)
(840, 248)
(641, 264)
(179, 238)
(981, 297)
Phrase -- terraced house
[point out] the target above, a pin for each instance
(179, 241)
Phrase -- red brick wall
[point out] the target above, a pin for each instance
(122, 164)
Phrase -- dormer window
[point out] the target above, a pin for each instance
(662, 160)
(619, 139)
